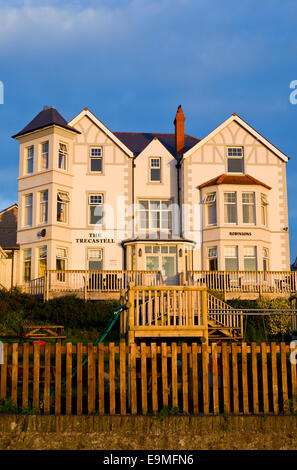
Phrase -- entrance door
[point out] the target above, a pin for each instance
(169, 269)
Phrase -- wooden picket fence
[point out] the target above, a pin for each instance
(108, 379)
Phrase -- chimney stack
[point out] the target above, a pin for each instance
(179, 123)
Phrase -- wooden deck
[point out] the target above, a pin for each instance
(245, 284)
(180, 312)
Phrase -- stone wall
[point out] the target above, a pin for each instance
(146, 432)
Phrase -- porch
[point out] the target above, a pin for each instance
(244, 284)
(108, 284)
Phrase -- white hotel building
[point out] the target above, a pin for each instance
(90, 198)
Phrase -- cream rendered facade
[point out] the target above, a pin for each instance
(131, 198)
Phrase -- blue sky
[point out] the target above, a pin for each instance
(133, 62)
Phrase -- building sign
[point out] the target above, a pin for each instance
(240, 233)
(94, 238)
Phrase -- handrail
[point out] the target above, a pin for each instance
(261, 282)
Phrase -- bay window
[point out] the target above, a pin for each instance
(28, 209)
(43, 210)
(27, 264)
(248, 208)
(211, 207)
(29, 159)
(250, 258)
(42, 260)
(44, 156)
(62, 206)
(230, 208)
(63, 156)
(231, 258)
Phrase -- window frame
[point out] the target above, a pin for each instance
(243, 204)
(93, 204)
(210, 201)
(235, 157)
(26, 206)
(148, 218)
(233, 204)
(98, 259)
(27, 260)
(42, 153)
(94, 157)
(231, 257)
(151, 168)
(27, 172)
(41, 204)
(65, 155)
(64, 200)
(264, 210)
(211, 257)
(248, 257)
(44, 247)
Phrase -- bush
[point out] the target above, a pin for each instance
(17, 309)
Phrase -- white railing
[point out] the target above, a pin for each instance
(35, 286)
(262, 282)
(98, 281)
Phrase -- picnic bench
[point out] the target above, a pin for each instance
(42, 331)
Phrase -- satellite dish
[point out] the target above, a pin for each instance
(42, 232)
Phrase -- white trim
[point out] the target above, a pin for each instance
(248, 128)
(92, 117)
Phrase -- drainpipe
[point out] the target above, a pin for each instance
(178, 167)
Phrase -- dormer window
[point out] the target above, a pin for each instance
(235, 159)
(155, 170)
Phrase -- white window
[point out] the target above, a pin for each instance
(63, 156)
(42, 260)
(212, 258)
(250, 258)
(29, 159)
(96, 209)
(264, 204)
(235, 159)
(248, 208)
(265, 259)
(44, 156)
(230, 208)
(210, 201)
(61, 262)
(27, 265)
(154, 215)
(28, 209)
(155, 170)
(43, 214)
(95, 259)
(62, 206)
(96, 159)
(231, 258)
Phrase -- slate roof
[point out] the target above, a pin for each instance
(47, 117)
(137, 141)
(233, 179)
